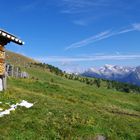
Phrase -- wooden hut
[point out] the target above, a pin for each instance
(5, 38)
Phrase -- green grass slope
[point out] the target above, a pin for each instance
(68, 110)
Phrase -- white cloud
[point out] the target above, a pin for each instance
(78, 6)
(90, 40)
(136, 26)
(30, 6)
(103, 35)
(88, 58)
(80, 22)
(133, 27)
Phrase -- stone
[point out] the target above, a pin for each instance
(100, 137)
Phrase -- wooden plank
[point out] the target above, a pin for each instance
(2, 48)
(2, 60)
(2, 68)
(2, 54)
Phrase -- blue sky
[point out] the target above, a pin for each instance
(75, 34)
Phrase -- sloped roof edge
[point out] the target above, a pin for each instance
(10, 37)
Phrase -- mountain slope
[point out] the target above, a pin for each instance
(18, 59)
(135, 76)
(67, 109)
(116, 73)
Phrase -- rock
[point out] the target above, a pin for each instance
(100, 137)
(24, 74)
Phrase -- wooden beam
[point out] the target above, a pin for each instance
(6, 37)
(2, 48)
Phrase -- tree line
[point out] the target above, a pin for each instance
(119, 86)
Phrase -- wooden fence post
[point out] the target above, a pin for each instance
(4, 80)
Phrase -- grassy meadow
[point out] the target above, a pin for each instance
(68, 110)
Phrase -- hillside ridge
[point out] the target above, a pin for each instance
(18, 59)
(66, 108)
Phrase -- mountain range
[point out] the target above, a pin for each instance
(117, 73)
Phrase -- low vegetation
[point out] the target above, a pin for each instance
(68, 109)
(124, 87)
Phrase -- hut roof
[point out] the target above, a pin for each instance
(6, 37)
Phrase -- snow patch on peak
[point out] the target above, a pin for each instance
(108, 66)
(115, 72)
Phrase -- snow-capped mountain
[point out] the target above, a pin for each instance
(118, 73)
